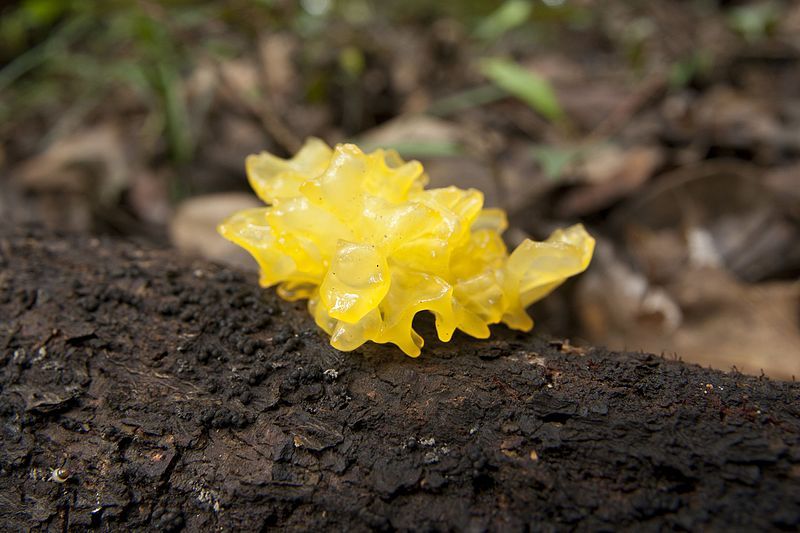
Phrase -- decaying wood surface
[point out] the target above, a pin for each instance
(144, 391)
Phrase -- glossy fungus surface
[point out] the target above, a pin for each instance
(360, 237)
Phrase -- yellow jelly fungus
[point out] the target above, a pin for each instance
(360, 237)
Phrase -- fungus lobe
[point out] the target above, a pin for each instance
(360, 237)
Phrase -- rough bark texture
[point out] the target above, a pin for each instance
(174, 394)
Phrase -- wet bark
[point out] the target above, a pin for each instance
(143, 391)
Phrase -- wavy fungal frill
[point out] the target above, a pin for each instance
(360, 237)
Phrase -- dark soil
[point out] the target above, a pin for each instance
(143, 391)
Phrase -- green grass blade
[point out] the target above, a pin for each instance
(526, 85)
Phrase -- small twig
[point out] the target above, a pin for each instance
(622, 114)
(274, 125)
(264, 111)
(270, 119)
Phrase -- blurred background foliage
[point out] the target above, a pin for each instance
(671, 129)
(68, 56)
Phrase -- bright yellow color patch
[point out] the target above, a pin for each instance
(360, 237)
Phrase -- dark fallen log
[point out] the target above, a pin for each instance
(143, 391)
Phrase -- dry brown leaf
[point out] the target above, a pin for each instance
(785, 183)
(149, 197)
(728, 323)
(704, 316)
(279, 73)
(64, 185)
(97, 157)
(735, 119)
(618, 174)
(407, 129)
(723, 213)
(193, 229)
